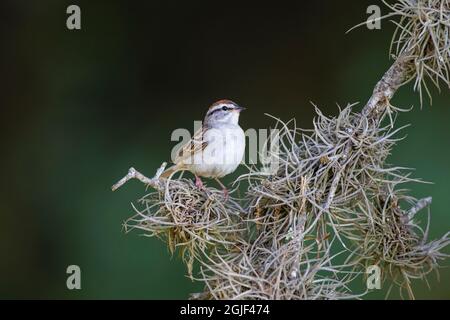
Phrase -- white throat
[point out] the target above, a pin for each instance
(231, 119)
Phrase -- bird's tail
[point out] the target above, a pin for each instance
(169, 171)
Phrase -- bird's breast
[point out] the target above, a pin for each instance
(223, 153)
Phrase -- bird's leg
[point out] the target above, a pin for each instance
(224, 189)
(199, 183)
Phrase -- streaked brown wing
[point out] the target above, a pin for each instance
(195, 145)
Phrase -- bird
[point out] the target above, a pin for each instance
(216, 149)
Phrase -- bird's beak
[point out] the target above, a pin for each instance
(239, 109)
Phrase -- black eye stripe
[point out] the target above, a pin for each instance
(224, 108)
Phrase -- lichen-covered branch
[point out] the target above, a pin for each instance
(420, 205)
(134, 174)
(386, 88)
(374, 110)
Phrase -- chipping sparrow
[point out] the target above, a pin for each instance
(215, 150)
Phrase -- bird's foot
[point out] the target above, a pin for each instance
(225, 193)
(199, 183)
(224, 189)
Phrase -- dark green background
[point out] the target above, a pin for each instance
(80, 107)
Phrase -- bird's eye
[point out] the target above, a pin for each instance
(225, 108)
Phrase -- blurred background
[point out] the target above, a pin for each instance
(78, 108)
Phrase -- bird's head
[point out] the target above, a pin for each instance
(223, 112)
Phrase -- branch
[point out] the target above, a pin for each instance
(383, 92)
(134, 174)
(385, 89)
(333, 188)
(421, 204)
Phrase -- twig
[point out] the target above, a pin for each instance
(421, 204)
(134, 174)
(385, 89)
(333, 188)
